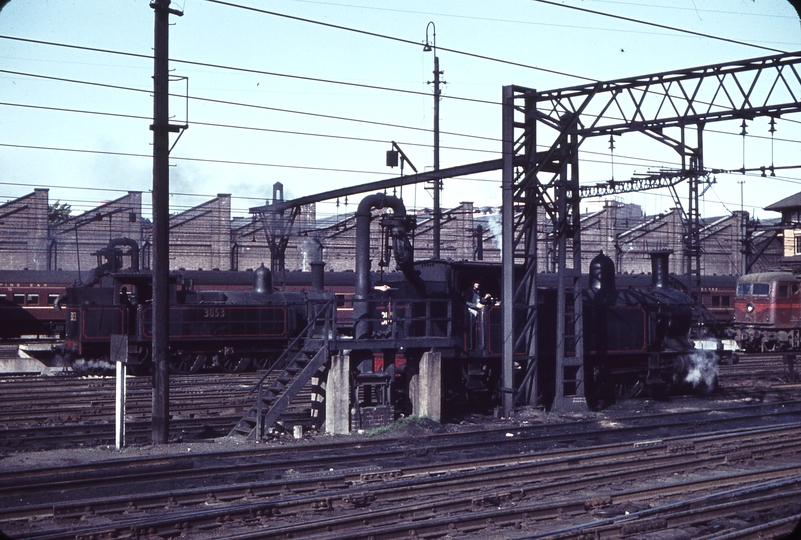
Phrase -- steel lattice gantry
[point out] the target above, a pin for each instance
(542, 134)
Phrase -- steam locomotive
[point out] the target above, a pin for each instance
(634, 340)
(228, 329)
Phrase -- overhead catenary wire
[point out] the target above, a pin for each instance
(334, 136)
(656, 25)
(247, 105)
(251, 70)
(249, 128)
(397, 39)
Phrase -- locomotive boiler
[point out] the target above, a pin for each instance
(639, 340)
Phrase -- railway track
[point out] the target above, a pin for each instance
(68, 411)
(721, 466)
(444, 496)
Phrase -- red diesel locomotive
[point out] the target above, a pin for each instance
(767, 312)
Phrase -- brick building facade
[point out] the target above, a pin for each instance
(206, 237)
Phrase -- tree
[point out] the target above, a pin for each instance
(58, 212)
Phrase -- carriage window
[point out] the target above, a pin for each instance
(784, 291)
(19, 298)
(33, 299)
(340, 300)
(51, 299)
(744, 289)
(761, 289)
(798, 244)
(715, 301)
(725, 301)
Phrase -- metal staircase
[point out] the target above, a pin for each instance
(305, 355)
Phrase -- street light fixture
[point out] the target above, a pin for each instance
(437, 214)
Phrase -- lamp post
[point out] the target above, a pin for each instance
(437, 182)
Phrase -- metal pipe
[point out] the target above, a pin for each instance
(131, 243)
(363, 218)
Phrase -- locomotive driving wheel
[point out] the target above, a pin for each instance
(264, 362)
(186, 363)
(628, 387)
(233, 363)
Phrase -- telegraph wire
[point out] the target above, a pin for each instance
(657, 25)
(247, 105)
(251, 70)
(288, 111)
(400, 40)
(202, 160)
(248, 128)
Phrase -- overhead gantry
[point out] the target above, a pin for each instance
(542, 134)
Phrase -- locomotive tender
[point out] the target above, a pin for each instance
(231, 329)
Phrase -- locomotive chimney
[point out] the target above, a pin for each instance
(262, 280)
(602, 275)
(317, 275)
(660, 268)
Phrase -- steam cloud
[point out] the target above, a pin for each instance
(702, 370)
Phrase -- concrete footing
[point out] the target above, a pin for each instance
(337, 396)
(34, 358)
(425, 387)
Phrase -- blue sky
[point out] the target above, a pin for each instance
(347, 152)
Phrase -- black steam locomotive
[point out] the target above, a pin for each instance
(634, 340)
(231, 329)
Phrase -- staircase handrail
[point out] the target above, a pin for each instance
(284, 358)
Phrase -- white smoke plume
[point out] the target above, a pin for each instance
(495, 227)
(702, 370)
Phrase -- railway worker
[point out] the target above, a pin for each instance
(476, 307)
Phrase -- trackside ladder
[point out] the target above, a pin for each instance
(307, 353)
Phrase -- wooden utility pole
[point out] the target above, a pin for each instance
(161, 220)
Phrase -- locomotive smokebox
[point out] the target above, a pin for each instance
(660, 268)
(602, 276)
(263, 280)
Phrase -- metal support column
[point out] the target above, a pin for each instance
(569, 375)
(507, 248)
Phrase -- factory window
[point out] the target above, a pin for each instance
(761, 289)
